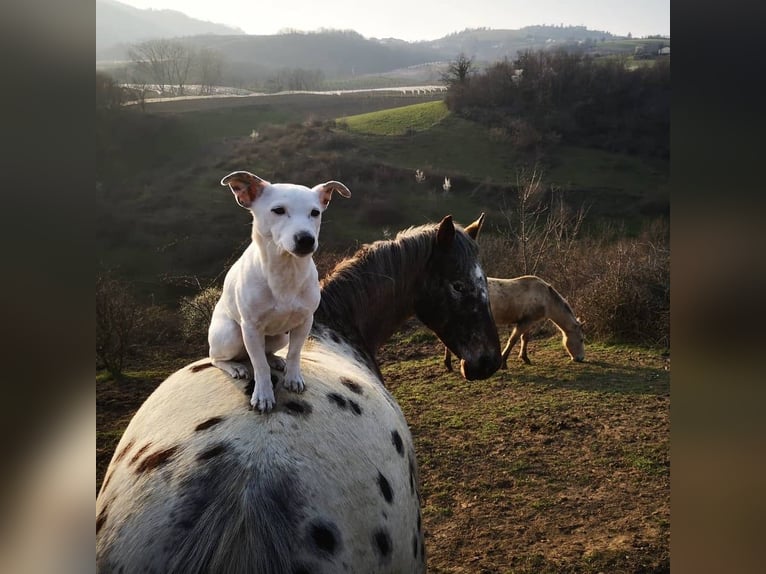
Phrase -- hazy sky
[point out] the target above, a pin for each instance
(424, 19)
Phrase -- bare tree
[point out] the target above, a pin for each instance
(181, 59)
(458, 71)
(209, 69)
(542, 227)
(164, 62)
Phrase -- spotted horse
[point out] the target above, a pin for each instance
(328, 481)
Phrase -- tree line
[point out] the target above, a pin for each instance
(545, 97)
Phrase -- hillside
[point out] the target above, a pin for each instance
(151, 159)
(118, 24)
(337, 54)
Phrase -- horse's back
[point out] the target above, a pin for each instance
(326, 482)
(524, 298)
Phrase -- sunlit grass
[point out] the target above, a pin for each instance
(397, 121)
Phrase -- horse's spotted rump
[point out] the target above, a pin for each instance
(198, 368)
(385, 488)
(355, 408)
(156, 459)
(298, 407)
(325, 537)
(353, 386)
(124, 451)
(397, 440)
(138, 454)
(337, 399)
(213, 451)
(211, 422)
(345, 403)
(101, 518)
(381, 542)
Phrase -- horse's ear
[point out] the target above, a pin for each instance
(473, 229)
(445, 235)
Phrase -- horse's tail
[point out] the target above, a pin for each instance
(245, 522)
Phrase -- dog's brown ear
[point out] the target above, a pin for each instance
(325, 191)
(245, 186)
(473, 229)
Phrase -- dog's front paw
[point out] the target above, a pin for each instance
(294, 384)
(263, 402)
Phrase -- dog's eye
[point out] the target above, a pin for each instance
(315, 213)
(278, 210)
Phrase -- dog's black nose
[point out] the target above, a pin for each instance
(304, 243)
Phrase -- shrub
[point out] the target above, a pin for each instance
(619, 286)
(118, 318)
(196, 313)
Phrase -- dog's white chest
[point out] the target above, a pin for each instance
(286, 313)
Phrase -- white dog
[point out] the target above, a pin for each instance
(273, 288)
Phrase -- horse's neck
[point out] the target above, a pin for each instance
(561, 314)
(368, 303)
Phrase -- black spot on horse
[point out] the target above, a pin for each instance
(382, 544)
(356, 409)
(415, 545)
(335, 337)
(213, 451)
(211, 422)
(337, 399)
(298, 407)
(385, 488)
(156, 459)
(412, 477)
(325, 537)
(397, 440)
(353, 386)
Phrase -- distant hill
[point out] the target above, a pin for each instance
(118, 23)
(340, 55)
(488, 45)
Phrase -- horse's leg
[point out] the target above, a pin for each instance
(525, 337)
(509, 345)
(447, 359)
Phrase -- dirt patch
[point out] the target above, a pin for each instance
(551, 467)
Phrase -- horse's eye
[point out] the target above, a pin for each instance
(457, 286)
(315, 213)
(278, 210)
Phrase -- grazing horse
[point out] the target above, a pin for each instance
(328, 481)
(522, 302)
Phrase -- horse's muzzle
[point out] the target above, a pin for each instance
(483, 368)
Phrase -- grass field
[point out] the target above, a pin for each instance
(397, 121)
(553, 467)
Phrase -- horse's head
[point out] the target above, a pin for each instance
(452, 300)
(574, 342)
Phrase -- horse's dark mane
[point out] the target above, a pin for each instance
(367, 296)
